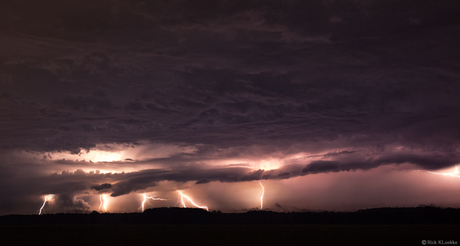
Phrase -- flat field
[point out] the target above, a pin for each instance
(225, 234)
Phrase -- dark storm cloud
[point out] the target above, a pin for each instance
(67, 202)
(339, 153)
(424, 161)
(147, 178)
(133, 184)
(321, 166)
(242, 73)
(202, 181)
(101, 186)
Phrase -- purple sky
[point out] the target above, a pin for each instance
(331, 104)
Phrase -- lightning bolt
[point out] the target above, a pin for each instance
(104, 202)
(262, 196)
(47, 198)
(453, 174)
(150, 197)
(100, 199)
(188, 198)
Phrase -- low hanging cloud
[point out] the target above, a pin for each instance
(101, 186)
(68, 203)
(426, 162)
(125, 183)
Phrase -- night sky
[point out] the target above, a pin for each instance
(331, 104)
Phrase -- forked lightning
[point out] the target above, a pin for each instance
(262, 196)
(188, 198)
(104, 202)
(150, 197)
(47, 198)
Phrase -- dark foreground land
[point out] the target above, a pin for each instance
(173, 226)
(226, 234)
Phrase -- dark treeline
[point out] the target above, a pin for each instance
(420, 215)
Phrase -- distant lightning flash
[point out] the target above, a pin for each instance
(453, 174)
(262, 196)
(188, 198)
(104, 202)
(47, 198)
(150, 197)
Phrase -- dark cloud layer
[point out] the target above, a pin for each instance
(102, 186)
(424, 161)
(229, 74)
(66, 202)
(355, 79)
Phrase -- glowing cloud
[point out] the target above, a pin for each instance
(119, 152)
(188, 198)
(453, 174)
(262, 196)
(47, 198)
(150, 197)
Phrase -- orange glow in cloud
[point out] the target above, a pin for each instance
(269, 164)
(47, 198)
(119, 152)
(188, 198)
(265, 164)
(274, 161)
(92, 155)
(452, 174)
(104, 171)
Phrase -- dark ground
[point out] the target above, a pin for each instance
(226, 234)
(173, 226)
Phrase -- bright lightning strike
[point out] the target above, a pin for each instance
(453, 174)
(262, 196)
(104, 201)
(47, 198)
(150, 197)
(188, 198)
